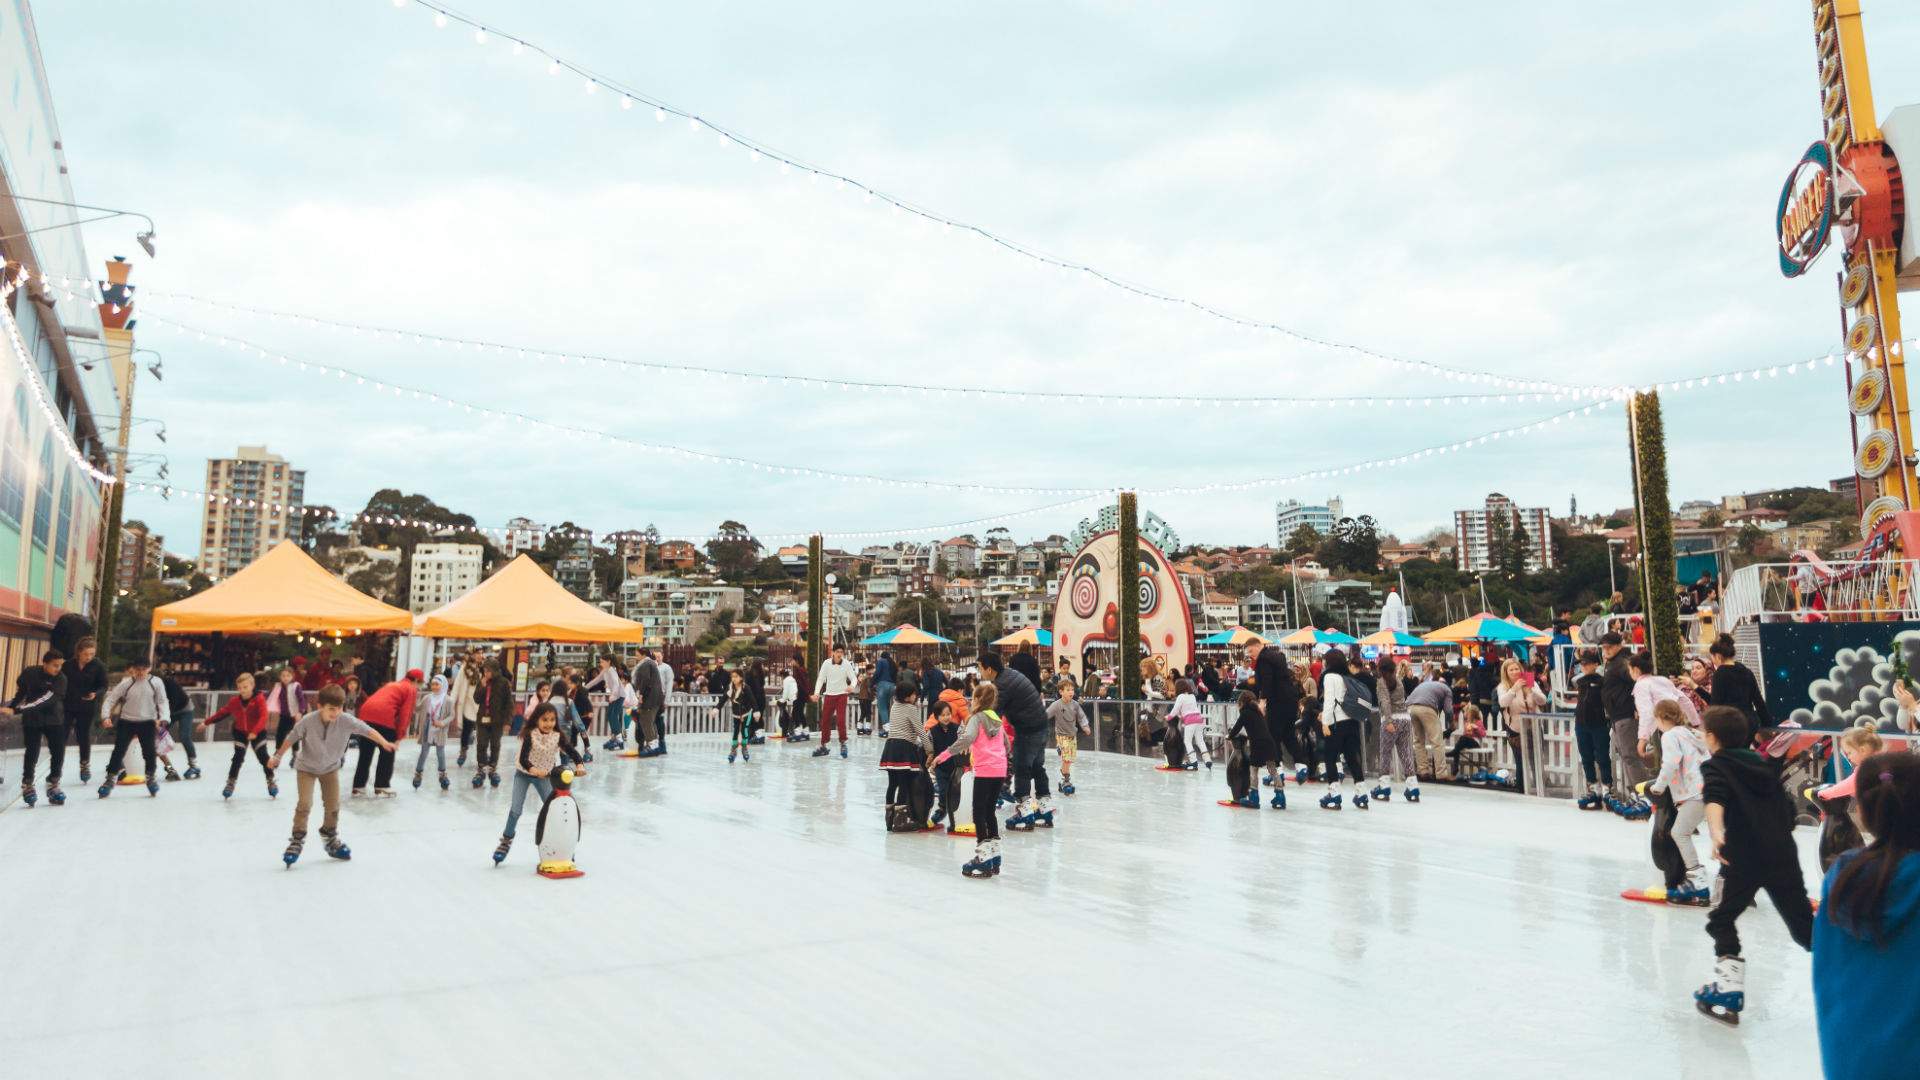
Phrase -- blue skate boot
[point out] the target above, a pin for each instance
(1279, 798)
(1066, 784)
(1330, 801)
(1381, 793)
(1266, 781)
(153, 786)
(493, 776)
(293, 849)
(1360, 800)
(28, 796)
(1043, 816)
(1300, 774)
(193, 771)
(1412, 794)
(106, 786)
(1251, 800)
(273, 789)
(444, 782)
(982, 863)
(1692, 892)
(337, 848)
(1022, 822)
(1724, 997)
(479, 777)
(500, 853)
(417, 777)
(227, 792)
(56, 797)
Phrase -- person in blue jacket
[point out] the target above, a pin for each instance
(1866, 940)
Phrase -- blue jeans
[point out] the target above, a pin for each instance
(439, 748)
(883, 706)
(521, 782)
(616, 713)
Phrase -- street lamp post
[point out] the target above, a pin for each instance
(1612, 585)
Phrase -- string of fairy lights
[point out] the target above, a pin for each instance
(41, 398)
(756, 152)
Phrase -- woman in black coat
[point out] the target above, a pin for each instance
(1734, 685)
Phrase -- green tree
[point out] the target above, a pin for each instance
(733, 551)
(1354, 546)
(394, 520)
(717, 631)
(1304, 540)
(926, 610)
(988, 625)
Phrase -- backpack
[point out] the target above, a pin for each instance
(1358, 702)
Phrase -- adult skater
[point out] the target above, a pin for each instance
(886, 676)
(40, 701)
(608, 680)
(138, 705)
(1251, 725)
(319, 744)
(248, 708)
(835, 681)
(86, 685)
(388, 710)
(1019, 702)
(1616, 693)
(1734, 685)
(466, 705)
(1395, 760)
(1279, 691)
(1026, 663)
(1429, 706)
(650, 703)
(495, 697)
(1344, 705)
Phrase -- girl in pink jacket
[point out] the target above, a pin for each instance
(984, 739)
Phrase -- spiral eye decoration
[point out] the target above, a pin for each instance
(1854, 289)
(1083, 586)
(1875, 454)
(1149, 596)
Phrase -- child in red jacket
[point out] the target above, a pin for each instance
(249, 711)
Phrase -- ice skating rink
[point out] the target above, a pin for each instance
(756, 920)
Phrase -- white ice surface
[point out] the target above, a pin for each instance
(756, 920)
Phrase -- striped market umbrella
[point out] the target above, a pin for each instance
(1233, 635)
(1483, 627)
(1398, 639)
(1031, 635)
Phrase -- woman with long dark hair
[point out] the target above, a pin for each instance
(1866, 940)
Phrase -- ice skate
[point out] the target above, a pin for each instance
(1590, 801)
(172, 777)
(417, 777)
(1066, 785)
(493, 776)
(383, 793)
(227, 792)
(1724, 997)
(56, 797)
(1043, 816)
(500, 853)
(193, 771)
(1692, 892)
(821, 751)
(28, 796)
(743, 755)
(461, 761)
(982, 863)
(444, 782)
(106, 786)
(86, 772)
(293, 850)
(1279, 798)
(153, 786)
(479, 777)
(843, 749)
(1022, 821)
(273, 789)
(1381, 793)
(1360, 800)
(337, 848)
(1251, 800)
(1412, 794)
(1330, 801)
(357, 793)
(1266, 781)
(1191, 766)
(1300, 774)
(730, 755)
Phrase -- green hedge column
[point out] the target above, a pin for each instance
(1127, 654)
(818, 632)
(1653, 519)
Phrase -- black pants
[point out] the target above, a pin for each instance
(124, 733)
(947, 781)
(81, 736)
(1465, 743)
(1787, 890)
(1596, 751)
(240, 744)
(986, 797)
(55, 736)
(899, 787)
(280, 730)
(1288, 742)
(1029, 765)
(486, 746)
(466, 735)
(382, 776)
(1344, 742)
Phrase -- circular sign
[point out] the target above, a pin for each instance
(1864, 334)
(1805, 216)
(1854, 289)
(1868, 390)
(1877, 511)
(1875, 454)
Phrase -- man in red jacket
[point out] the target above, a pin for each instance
(388, 710)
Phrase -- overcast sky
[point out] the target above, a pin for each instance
(1572, 192)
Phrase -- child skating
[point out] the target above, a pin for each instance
(740, 710)
(541, 746)
(135, 709)
(1193, 725)
(40, 701)
(1069, 720)
(1251, 725)
(1682, 753)
(1593, 734)
(319, 743)
(1751, 818)
(986, 740)
(248, 708)
(438, 712)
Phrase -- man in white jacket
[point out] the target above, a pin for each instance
(836, 680)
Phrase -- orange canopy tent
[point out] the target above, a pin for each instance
(282, 590)
(520, 602)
